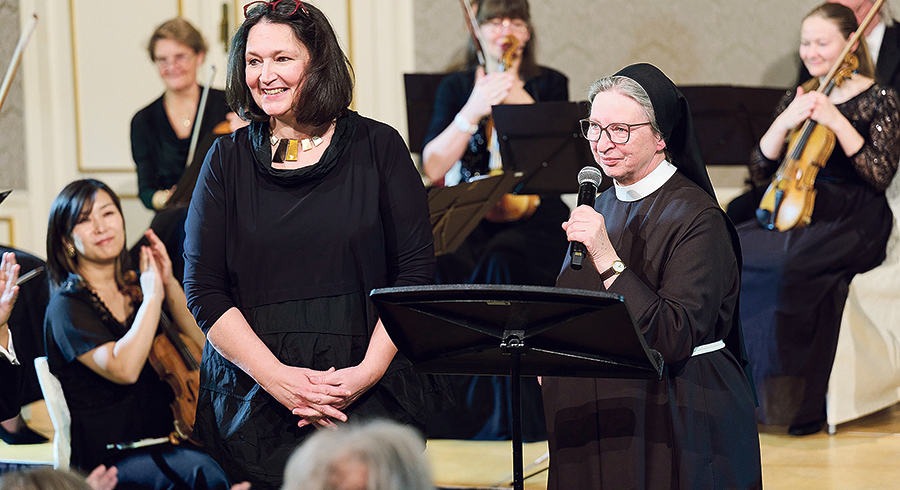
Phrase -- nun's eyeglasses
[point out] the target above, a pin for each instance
(618, 133)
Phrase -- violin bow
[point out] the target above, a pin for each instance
(198, 121)
(876, 7)
(16, 59)
(484, 59)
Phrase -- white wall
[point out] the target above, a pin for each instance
(86, 72)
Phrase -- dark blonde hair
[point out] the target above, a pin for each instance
(178, 30)
(75, 200)
(327, 85)
(845, 20)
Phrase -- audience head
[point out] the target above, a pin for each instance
(380, 455)
(85, 224)
(861, 8)
(43, 478)
(326, 87)
(177, 49)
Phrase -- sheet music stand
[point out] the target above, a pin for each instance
(421, 89)
(515, 331)
(544, 142)
(456, 210)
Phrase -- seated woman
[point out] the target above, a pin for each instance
(161, 132)
(524, 251)
(99, 327)
(795, 282)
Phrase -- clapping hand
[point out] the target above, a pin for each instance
(9, 275)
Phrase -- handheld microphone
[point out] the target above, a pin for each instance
(588, 181)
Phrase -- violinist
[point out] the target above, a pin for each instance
(162, 132)
(524, 251)
(100, 323)
(795, 282)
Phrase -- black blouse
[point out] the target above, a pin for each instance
(102, 412)
(157, 151)
(356, 220)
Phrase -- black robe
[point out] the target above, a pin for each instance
(695, 428)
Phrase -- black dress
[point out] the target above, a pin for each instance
(695, 428)
(796, 282)
(104, 412)
(297, 252)
(524, 252)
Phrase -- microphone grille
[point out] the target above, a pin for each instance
(590, 175)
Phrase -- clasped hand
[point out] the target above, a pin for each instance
(811, 105)
(318, 397)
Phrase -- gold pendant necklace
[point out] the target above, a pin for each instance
(286, 149)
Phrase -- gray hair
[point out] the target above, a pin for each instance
(629, 88)
(391, 455)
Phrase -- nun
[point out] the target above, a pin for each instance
(659, 239)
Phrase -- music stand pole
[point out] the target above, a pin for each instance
(511, 345)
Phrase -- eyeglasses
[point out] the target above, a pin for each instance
(618, 133)
(498, 24)
(179, 59)
(254, 9)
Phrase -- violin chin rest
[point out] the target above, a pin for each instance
(762, 217)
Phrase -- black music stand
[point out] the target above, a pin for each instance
(543, 141)
(421, 89)
(515, 331)
(456, 210)
(729, 120)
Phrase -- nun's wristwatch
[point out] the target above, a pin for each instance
(617, 267)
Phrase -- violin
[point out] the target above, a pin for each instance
(175, 358)
(511, 207)
(790, 199)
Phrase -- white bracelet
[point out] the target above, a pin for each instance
(464, 125)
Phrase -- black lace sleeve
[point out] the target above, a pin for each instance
(761, 168)
(876, 161)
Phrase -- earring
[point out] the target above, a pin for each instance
(70, 251)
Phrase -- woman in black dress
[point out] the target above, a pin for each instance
(795, 282)
(99, 327)
(294, 220)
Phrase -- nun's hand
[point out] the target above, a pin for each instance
(589, 227)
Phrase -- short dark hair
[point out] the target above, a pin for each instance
(328, 81)
(72, 202)
(178, 30)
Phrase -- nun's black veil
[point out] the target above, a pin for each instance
(673, 116)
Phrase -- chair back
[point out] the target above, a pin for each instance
(59, 413)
